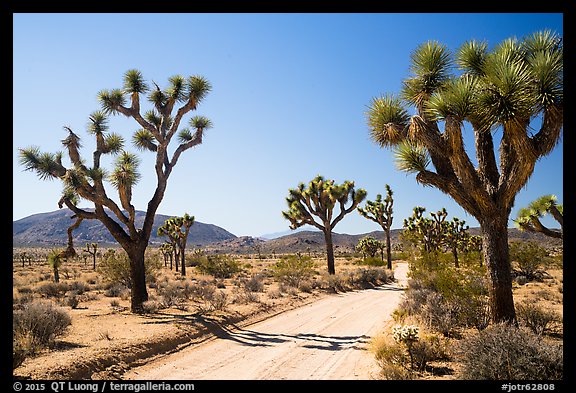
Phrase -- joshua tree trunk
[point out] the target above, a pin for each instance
(388, 250)
(495, 252)
(56, 275)
(329, 251)
(455, 253)
(183, 261)
(139, 294)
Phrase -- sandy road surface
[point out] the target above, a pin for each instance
(326, 339)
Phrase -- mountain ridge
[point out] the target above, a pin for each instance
(50, 229)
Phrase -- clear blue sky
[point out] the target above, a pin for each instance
(289, 97)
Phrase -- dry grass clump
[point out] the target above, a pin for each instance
(35, 327)
(506, 352)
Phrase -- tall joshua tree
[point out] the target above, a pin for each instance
(528, 218)
(319, 199)
(380, 211)
(515, 88)
(158, 127)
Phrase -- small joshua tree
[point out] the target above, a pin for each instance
(177, 230)
(429, 232)
(528, 218)
(55, 261)
(456, 237)
(319, 199)
(380, 211)
(92, 249)
(167, 250)
(369, 246)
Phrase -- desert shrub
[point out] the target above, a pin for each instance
(447, 298)
(253, 284)
(79, 287)
(36, 326)
(52, 289)
(21, 348)
(529, 257)
(293, 269)
(368, 277)
(334, 282)
(244, 295)
(218, 301)
(505, 352)
(306, 286)
(392, 360)
(219, 266)
(372, 261)
(536, 318)
(409, 353)
(172, 293)
(114, 289)
(72, 300)
(115, 267)
(208, 297)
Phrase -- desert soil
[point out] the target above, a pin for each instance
(325, 339)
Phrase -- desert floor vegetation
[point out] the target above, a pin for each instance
(95, 335)
(442, 327)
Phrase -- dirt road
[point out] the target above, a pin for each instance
(326, 339)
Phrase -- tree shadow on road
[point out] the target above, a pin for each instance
(305, 340)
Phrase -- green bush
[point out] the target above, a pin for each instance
(372, 261)
(115, 267)
(219, 266)
(529, 257)
(447, 298)
(293, 269)
(505, 352)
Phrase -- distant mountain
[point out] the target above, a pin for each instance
(313, 241)
(50, 229)
(276, 235)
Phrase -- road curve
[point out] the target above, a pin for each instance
(326, 339)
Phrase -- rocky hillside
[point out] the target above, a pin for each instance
(49, 229)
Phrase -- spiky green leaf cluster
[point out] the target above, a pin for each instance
(411, 157)
(134, 82)
(513, 82)
(125, 173)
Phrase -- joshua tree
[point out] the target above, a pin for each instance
(157, 128)
(55, 261)
(167, 250)
(515, 88)
(167, 230)
(381, 212)
(456, 237)
(92, 249)
(528, 218)
(319, 199)
(429, 232)
(177, 230)
(369, 246)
